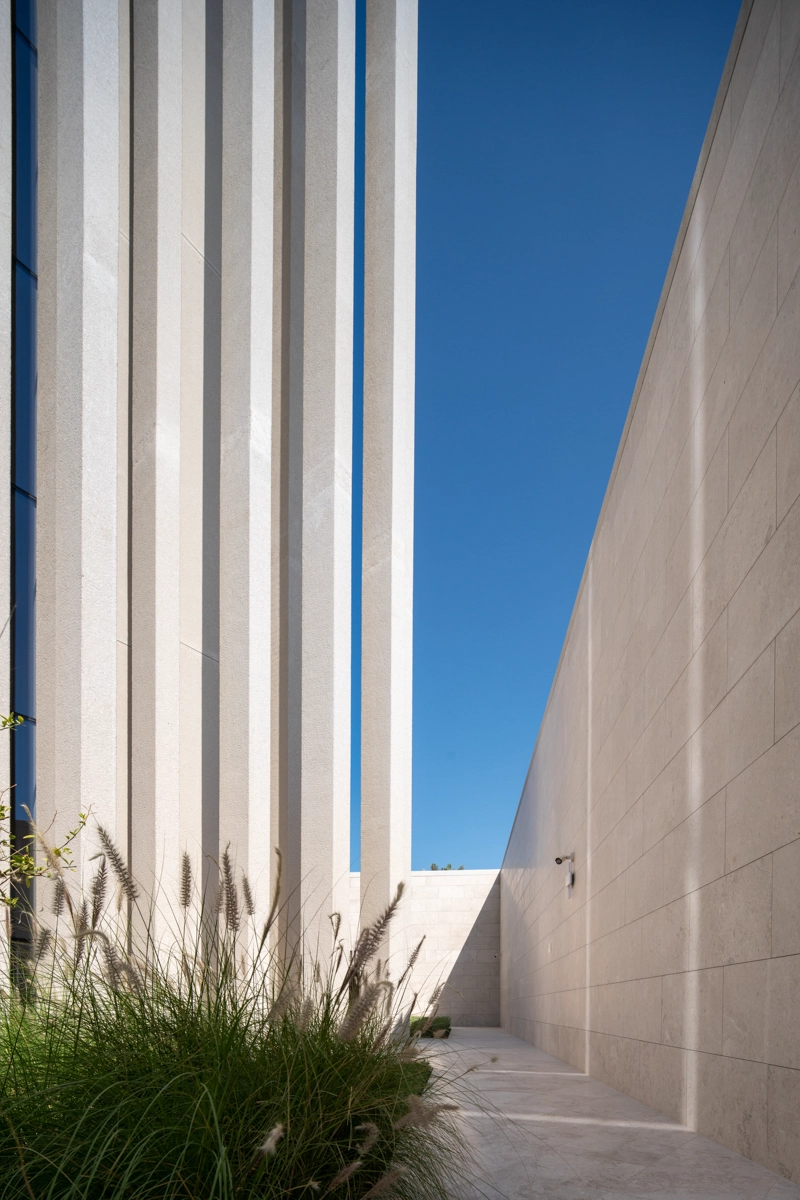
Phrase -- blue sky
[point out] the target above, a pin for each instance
(557, 144)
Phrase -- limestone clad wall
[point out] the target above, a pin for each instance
(668, 760)
(458, 913)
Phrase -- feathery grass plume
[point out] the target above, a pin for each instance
(412, 961)
(336, 923)
(232, 914)
(342, 1176)
(185, 892)
(271, 1144)
(249, 899)
(420, 1114)
(44, 940)
(273, 909)
(80, 925)
(383, 1033)
(118, 866)
(98, 891)
(135, 981)
(113, 964)
(371, 1135)
(306, 1013)
(59, 890)
(284, 1000)
(368, 943)
(360, 1010)
(384, 1185)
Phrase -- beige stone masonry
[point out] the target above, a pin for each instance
(668, 760)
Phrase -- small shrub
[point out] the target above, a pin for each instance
(430, 1026)
(213, 1068)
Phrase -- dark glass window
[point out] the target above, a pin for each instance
(25, 18)
(23, 621)
(23, 765)
(24, 152)
(23, 447)
(24, 425)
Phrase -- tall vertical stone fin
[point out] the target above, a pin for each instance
(388, 497)
(201, 219)
(155, 451)
(319, 458)
(78, 271)
(246, 443)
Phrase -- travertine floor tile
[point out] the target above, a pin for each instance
(541, 1129)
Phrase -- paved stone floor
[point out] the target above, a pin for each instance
(539, 1128)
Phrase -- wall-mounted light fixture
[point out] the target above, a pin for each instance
(569, 859)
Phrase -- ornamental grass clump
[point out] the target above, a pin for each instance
(213, 1064)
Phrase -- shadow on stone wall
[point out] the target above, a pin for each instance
(471, 994)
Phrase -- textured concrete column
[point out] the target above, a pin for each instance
(123, 430)
(388, 512)
(246, 445)
(77, 412)
(155, 483)
(199, 442)
(5, 395)
(320, 314)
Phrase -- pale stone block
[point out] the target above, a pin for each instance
(701, 687)
(730, 918)
(727, 1101)
(647, 758)
(608, 810)
(771, 382)
(789, 235)
(701, 525)
(749, 710)
(607, 908)
(665, 939)
(691, 1010)
(767, 598)
(747, 529)
(669, 659)
(783, 1015)
(730, 386)
(642, 1008)
(627, 840)
(759, 43)
(694, 852)
(667, 801)
(605, 1008)
(662, 1079)
(788, 462)
(617, 956)
(767, 185)
(763, 804)
(739, 730)
(790, 36)
(786, 899)
(616, 1061)
(713, 327)
(644, 883)
(783, 1128)
(745, 1014)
